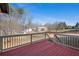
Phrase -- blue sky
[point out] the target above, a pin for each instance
(51, 12)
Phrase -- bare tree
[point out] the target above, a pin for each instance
(56, 26)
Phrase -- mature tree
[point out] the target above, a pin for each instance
(11, 23)
(15, 21)
(62, 25)
(56, 26)
(77, 25)
(4, 7)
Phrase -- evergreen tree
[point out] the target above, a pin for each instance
(77, 25)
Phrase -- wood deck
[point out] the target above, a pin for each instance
(42, 48)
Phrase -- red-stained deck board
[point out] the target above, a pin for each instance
(42, 48)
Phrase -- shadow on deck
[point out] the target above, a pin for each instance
(42, 48)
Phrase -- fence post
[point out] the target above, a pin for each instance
(1, 43)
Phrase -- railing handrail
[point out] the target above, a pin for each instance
(63, 34)
(24, 34)
(58, 33)
(31, 34)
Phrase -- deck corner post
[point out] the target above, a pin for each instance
(1, 43)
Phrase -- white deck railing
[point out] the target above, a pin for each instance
(67, 40)
(11, 41)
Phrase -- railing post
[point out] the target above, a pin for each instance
(1, 43)
(45, 35)
(77, 42)
(31, 38)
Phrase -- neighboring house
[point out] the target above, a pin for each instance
(42, 29)
(27, 31)
(38, 29)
